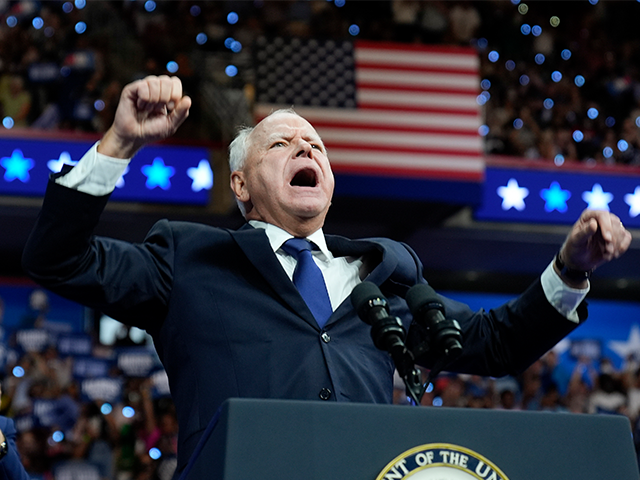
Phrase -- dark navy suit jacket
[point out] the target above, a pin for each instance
(227, 321)
(10, 466)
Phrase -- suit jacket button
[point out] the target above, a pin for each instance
(325, 337)
(325, 394)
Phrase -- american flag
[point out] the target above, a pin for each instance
(380, 108)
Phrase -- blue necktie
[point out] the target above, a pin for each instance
(308, 279)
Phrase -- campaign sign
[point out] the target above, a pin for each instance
(104, 389)
(74, 344)
(137, 361)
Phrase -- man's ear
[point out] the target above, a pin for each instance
(239, 186)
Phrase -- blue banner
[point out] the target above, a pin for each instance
(555, 196)
(157, 174)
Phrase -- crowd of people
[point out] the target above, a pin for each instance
(558, 79)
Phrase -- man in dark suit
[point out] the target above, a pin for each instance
(226, 318)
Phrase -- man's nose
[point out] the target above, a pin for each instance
(304, 149)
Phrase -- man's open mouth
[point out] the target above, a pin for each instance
(304, 178)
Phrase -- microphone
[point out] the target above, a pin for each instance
(372, 307)
(388, 334)
(428, 312)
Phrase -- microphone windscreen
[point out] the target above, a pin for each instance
(362, 294)
(420, 295)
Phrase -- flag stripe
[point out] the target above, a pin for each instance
(427, 110)
(362, 65)
(417, 99)
(357, 137)
(382, 119)
(465, 83)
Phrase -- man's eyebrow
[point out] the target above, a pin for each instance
(278, 135)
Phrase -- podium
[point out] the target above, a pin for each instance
(282, 439)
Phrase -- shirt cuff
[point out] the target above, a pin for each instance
(561, 296)
(95, 173)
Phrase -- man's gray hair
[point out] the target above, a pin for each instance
(240, 146)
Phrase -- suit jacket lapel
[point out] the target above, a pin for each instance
(255, 245)
(382, 266)
(382, 262)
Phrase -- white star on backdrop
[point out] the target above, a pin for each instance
(633, 200)
(56, 165)
(631, 345)
(513, 195)
(201, 175)
(597, 198)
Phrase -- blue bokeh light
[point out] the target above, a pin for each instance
(231, 70)
(556, 76)
(539, 58)
(483, 130)
(81, 27)
(149, 5)
(236, 46)
(536, 30)
(607, 152)
(524, 80)
(525, 28)
(99, 105)
(578, 136)
(80, 4)
(354, 30)
(37, 23)
(339, 3)
(493, 56)
(485, 84)
(518, 123)
(106, 408)
(195, 10)
(558, 159)
(57, 436)
(201, 38)
(610, 122)
(67, 7)
(548, 103)
(7, 122)
(566, 54)
(232, 18)
(12, 21)
(510, 65)
(623, 146)
(579, 80)
(593, 113)
(18, 372)
(172, 67)
(128, 412)
(154, 453)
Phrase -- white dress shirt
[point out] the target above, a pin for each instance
(97, 174)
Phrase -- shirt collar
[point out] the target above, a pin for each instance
(278, 236)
